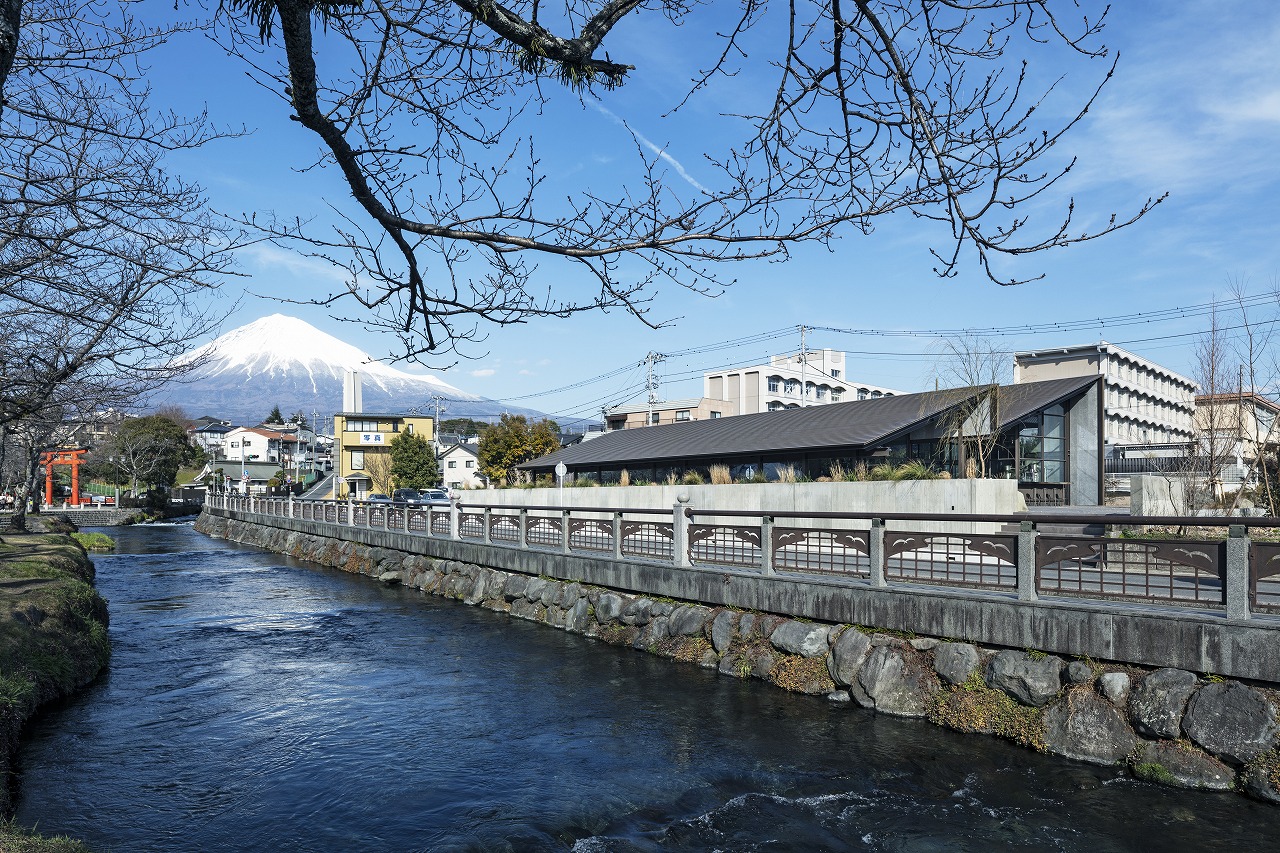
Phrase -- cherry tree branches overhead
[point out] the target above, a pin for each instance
(876, 107)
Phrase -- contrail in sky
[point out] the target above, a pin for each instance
(661, 152)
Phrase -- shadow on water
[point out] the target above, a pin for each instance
(255, 702)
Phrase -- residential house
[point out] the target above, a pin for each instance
(212, 437)
(258, 444)
(362, 448)
(790, 382)
(460, 467)
(1047, 435)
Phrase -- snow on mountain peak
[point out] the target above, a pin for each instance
(278, 344)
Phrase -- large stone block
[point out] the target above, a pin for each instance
(608, 607)
(847, 655)
(1157, 703)
(1087, 727)
(800, 638)
(895, 681)
(723, 629)
(1232, 721)
(1032, 680)
(1171, 763)
(955, 662)
(688, 620)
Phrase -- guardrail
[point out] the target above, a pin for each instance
(1234, 576)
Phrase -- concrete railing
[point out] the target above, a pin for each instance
(1233, 576)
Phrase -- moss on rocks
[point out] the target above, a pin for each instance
(976, 708)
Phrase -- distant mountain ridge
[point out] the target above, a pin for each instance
(284, 361)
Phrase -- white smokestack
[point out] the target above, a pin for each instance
(351, 386)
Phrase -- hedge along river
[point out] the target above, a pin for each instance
(259, 703)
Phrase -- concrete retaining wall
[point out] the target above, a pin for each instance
(1169, 726)
(976, 497)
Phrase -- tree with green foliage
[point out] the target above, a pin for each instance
(514, 440)
(464, 426)
(413, 462)
(275, 417)
(150, 451)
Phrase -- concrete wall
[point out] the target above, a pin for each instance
(1086, 449)
(985, 497)
(1198, 642)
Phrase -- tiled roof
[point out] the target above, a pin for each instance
(857, 423)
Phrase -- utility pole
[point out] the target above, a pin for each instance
(804, 367)
(652, 382)
(435, 426)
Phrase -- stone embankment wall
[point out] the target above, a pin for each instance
(1166, 725)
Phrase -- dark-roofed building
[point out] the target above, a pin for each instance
(1048, 437)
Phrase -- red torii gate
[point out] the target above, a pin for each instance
(74, 458)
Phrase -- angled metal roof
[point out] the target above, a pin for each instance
(1018, 401)
(857, 423)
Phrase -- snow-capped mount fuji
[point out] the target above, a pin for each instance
(284, 361)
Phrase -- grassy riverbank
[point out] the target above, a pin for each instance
(53, 641)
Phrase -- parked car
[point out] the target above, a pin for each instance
(435, 497)
(406, 497)
(377, 498)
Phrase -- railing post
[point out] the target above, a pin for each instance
(407, 510)
(1027, 562)
(680, 531)
(564, 530)
(524, 527)
(766, 545)
(454, 512)
(351, 511)
(875, 549)
(617, 536)
(488, 517)
(1236, 577)
(291, 505)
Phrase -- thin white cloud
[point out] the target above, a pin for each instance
(527, 373)
(482, 372)
(267, 256)
(661, 152)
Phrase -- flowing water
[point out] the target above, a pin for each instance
(259, 703)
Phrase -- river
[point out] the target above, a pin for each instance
(258, 703)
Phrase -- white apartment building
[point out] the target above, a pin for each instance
(790, 382)
(1144, 402)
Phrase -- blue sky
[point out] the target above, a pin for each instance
(1193, 111)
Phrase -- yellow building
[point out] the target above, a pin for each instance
(362, 449)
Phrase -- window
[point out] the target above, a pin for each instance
(793, 386)
(863, 393)
(715, 414)
(247, 442)
(361, 426)
(471, 463)
(836, 394)
(357, 460)
(822, 392)
(235, 444)
(653, 418)
(876, 395)
(835, 373)
(682, 415)
(453, 463)
(774, 405)
(775, 383)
